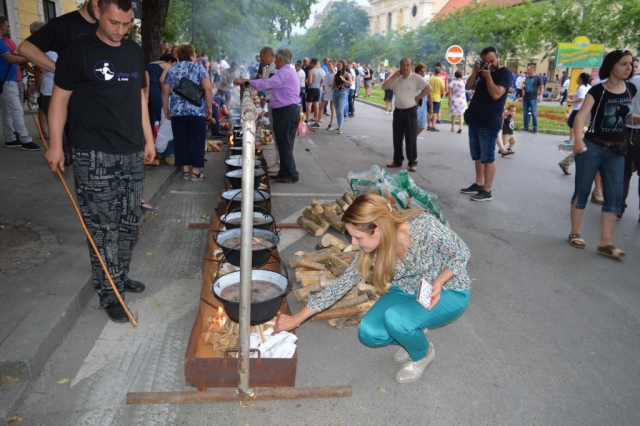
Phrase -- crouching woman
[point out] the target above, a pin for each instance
(401, 248)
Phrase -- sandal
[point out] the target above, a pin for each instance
(577, 241)
(511, 151)
(186, 175)
(459, 131)
(504, 154)
(197, 177)
(611, 251)
(146, 207)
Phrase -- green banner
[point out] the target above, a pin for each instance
(579, 54)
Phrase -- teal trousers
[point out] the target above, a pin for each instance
(398, 319)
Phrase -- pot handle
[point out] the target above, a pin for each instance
(226, 352)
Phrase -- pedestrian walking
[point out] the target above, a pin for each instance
(583, 81)
(457, 101)
(341, 83)
(533, 89)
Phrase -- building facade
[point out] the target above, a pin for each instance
(21, 13)
(395, 15)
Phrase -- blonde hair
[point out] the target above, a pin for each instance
(366, 213)
(186, 52)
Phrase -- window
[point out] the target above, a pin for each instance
(389, 22)
(414, 10)
(3, 8)
(49, 8)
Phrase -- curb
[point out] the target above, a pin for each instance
(540, 131)
(34, 359)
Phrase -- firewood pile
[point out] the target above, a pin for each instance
(266, 138)
(317, 269)
(214, 146)
(317, 218)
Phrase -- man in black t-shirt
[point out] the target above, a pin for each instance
(99, 84)
(367, 76)
(484, 117)
(533, 89)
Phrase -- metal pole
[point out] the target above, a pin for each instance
(248, 116)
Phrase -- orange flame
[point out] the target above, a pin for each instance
(231, 140)
(220, 319)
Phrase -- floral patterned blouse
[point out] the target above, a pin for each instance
(195, 72)
(433, 248)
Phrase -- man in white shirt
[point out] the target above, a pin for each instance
(565, 90)
(408, 88)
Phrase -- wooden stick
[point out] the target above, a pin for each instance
(312, 227)
(346, 256)
(261, 331)
(133, 320)
(344, 312)
(301, 273)
(310, 214)
(330, 216)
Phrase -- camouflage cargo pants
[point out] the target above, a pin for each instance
(109, 188)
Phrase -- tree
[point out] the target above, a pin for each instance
(153, 19)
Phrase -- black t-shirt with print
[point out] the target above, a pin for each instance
(59, 32)
(609, 112)
(105, 108)
(508, 125)
(483, 110)
(532, 87)
(366, 74)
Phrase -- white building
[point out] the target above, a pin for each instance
(394, 15)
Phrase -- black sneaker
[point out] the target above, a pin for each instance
(473, 189)
(286, 180)
(329, 127)
(30, 146)
(315, 125)
(14, 144)
(482, 195)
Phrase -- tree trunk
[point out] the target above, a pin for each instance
(154, 13)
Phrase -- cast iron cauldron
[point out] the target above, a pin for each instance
(235, 178)
(228, 241)
(261, 220)
(234, 162)
(233, 197)
(260, 312)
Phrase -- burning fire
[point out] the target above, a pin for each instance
(231, 140)
(220, 319)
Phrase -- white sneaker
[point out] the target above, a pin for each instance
(402, 355)
(340, 131)
(412, 371)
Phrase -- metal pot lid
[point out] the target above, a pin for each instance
(233, 195)
(236, 215)
(238, 173)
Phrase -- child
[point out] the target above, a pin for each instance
(508, 125)
(263, 117)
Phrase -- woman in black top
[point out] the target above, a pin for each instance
(603, 148)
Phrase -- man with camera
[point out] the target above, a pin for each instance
(484, 117)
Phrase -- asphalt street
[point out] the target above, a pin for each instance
(550, 336)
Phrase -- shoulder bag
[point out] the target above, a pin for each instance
(188, 90)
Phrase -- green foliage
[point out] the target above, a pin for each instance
(238, 28)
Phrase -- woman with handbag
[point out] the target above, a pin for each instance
(187, 101)
(413, 251)
(602, 148)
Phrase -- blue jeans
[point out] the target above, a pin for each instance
(398, 319)
(530, 105)
(482, 143)
(611, 167)
(340, 101)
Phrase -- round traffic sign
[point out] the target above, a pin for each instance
(454, 54)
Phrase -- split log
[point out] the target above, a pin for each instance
(343, 204)
(301, 273)
(337, 266)
(331, 240)
(350, 248)
(344, 303)
(311, 214)
(332, 205)
(314, 256)
(309, 281)
(304, 292)
(366, 287)
(316, 207)
(351, 294)
(346, 257)
(312, 227)
(330, 216)
(344, 312)
(348, 198)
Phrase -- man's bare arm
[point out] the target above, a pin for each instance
(29, 51)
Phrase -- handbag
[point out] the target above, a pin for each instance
(189, 91)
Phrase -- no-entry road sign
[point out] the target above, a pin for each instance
(454, 54)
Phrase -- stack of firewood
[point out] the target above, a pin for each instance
(316, 270)
(266, 138)
(317, 218)
(214, 146)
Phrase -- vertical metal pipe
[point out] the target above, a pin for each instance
(248, 116)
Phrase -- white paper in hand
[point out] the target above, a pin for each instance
(424, 293)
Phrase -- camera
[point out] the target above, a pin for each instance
(484, 65)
